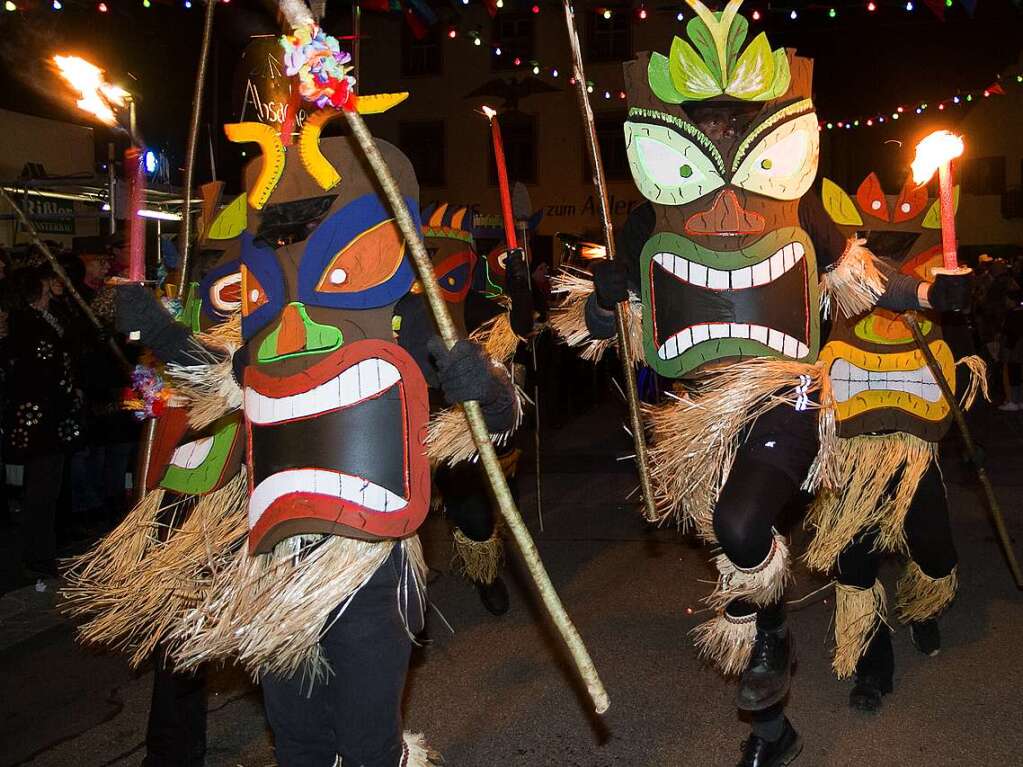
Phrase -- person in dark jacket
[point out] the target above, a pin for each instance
(41, 410)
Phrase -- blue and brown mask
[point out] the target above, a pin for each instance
(335, 410)
(722, 138)
(448, 237)
(879, 377)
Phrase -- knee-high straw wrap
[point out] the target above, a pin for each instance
(695, 437)
(763, 584)
(859, 614)
(920, 597)
(726, 641)
(479, 561)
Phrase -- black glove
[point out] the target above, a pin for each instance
(610, 284)
(466, 374)
(951, 292)
(515, 266)
(138, 311)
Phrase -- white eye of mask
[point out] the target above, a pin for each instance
(783, 164)
(669, 168)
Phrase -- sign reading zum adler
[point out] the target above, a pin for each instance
(51, 216)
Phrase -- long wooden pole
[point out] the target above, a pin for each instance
(600, 187)
(477, 426)
(971, 449)
(193, 139)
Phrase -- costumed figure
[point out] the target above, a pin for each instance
(725, 271)
(478, 549)
(890, 415)
(307, 568)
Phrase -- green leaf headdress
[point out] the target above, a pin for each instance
(716, 63)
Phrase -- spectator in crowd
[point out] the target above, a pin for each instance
(40, 408)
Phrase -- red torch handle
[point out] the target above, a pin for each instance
(948, 216)
(502, 184)
(133, 171)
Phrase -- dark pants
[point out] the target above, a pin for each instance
(761, 492)
(356, 713)
(43, 479)
(467, 500)
(176, 733)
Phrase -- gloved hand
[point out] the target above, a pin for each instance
(610, 284)
(515, 267)
(138, 311)
(951, 292)
(466, 374)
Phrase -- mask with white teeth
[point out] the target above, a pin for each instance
(728, 272)
(336, 412)
(880, 379)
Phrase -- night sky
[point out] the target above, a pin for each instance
(864, 61)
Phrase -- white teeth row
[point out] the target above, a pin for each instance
(359, 382)
(848, 380)
(192, 455)
(780, 342)
(766, 271)
(321, 482)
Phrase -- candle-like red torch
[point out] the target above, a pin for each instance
(502, 179)
(936, 152)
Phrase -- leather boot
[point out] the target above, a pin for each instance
(874, 672)
(766, 679)
(494, 596)
(926, 636)
(758, 752)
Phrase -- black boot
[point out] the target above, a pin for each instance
(494, 596)
(766, 679)
(757, 752)
(926, 636)
(874, 672)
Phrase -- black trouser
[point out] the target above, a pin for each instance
(929, 540)
(176, 733)
(43, 479)
(356, 713)
(762, 489)
(466, 499)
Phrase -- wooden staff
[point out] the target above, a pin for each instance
(477, 426)
(971, 449)
(600, 186)
(193, 139)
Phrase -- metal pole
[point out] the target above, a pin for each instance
(193, 139)
(478, 428)
(600, 184)
(357, 41)
(971, 449)
(536, 434)
(62, 276)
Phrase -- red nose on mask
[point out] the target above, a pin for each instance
(726, 217)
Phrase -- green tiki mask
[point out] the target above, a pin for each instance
(880, 380)
(728, 272)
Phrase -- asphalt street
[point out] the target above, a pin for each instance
(498, 691)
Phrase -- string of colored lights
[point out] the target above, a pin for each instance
(643, 12)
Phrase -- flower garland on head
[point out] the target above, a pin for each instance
(319, 62)
(148, 395)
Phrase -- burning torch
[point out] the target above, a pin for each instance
(103, 100)
(936, 152)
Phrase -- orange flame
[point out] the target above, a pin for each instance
(936, 149)
(590, 250)
(490, 112)
(98, 97)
